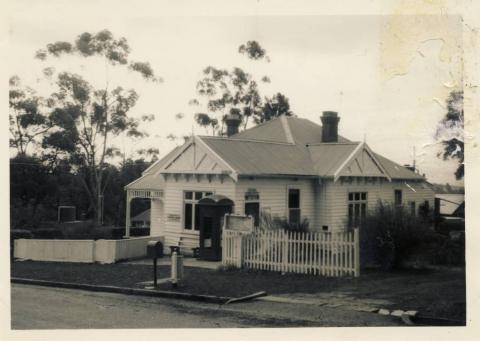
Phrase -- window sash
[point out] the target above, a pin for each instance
(191, 220)
(357, 208)
(293, 204)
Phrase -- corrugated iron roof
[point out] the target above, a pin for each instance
(160, 163)
(266, 150)
(328, 157)
(149, 181)
(305, 131)
(396, 171)
(269, 131)
(262, 158)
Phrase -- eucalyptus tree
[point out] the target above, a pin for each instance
(235, 91)
(86, 118)
(28, 117)
(450, 132)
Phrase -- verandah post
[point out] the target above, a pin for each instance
(356, 238)
(127, 215)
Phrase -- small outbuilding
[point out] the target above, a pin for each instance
(288, 167)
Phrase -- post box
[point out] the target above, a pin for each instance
(154, 249)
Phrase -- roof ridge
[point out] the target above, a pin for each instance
(248, 140)
(286, 129)
(332, 143)
(258, 125)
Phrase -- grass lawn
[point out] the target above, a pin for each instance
(438, 293)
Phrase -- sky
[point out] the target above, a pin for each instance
(387, 76)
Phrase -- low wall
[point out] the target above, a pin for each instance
(82, 251)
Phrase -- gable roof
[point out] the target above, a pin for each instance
(303, 131)
(285, 146)
(329, 157)
(149, 180)
(250, 157)
(396, 171)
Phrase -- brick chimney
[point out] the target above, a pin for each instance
(330, 126)
(233, 121)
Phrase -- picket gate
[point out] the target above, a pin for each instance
(331, 254)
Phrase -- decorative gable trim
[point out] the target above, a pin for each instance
(360, 149)
(195, 140)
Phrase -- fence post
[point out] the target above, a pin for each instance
(239, 253)
(284, 251)
(356, 238)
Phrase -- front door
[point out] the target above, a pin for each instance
(211, 222)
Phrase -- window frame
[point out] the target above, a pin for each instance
(252, 201)
(354, 219)
(299, 208)
(395, 191)
(412, 205)
(194, 203)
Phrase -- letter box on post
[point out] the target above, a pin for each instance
(154, 251)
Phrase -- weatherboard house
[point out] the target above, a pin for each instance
(288, 167)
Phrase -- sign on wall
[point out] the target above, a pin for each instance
(173, 217)
(240, 223)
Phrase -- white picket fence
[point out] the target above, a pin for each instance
(331, 254)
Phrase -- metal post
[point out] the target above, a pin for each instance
(155, 272)
(174, 278)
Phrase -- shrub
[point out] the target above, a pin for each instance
(267, 222)
(47, 233)
(389, 235)
(450, 252)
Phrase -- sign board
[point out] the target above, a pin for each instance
(240, 223)
(173, 217)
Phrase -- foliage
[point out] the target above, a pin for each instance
(86, 118)
(273, 107)
(390, 235)
(236, 91)
(253, 50)
(269, 222)
(100, 44)
(31, 190)
(36, 191)
(27, 118)
(450, 131)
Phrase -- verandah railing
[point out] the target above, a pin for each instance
(318, 253)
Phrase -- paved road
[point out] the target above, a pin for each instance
(35, 307)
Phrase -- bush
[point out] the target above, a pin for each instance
(389, 235)
(47, 233)
(267, 222)
(450, 252)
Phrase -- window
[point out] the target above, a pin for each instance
(294, 206)
(252, 205)
(357, 208)
(398, 197)
(253, 209)
(413, 209)
(191, 209)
